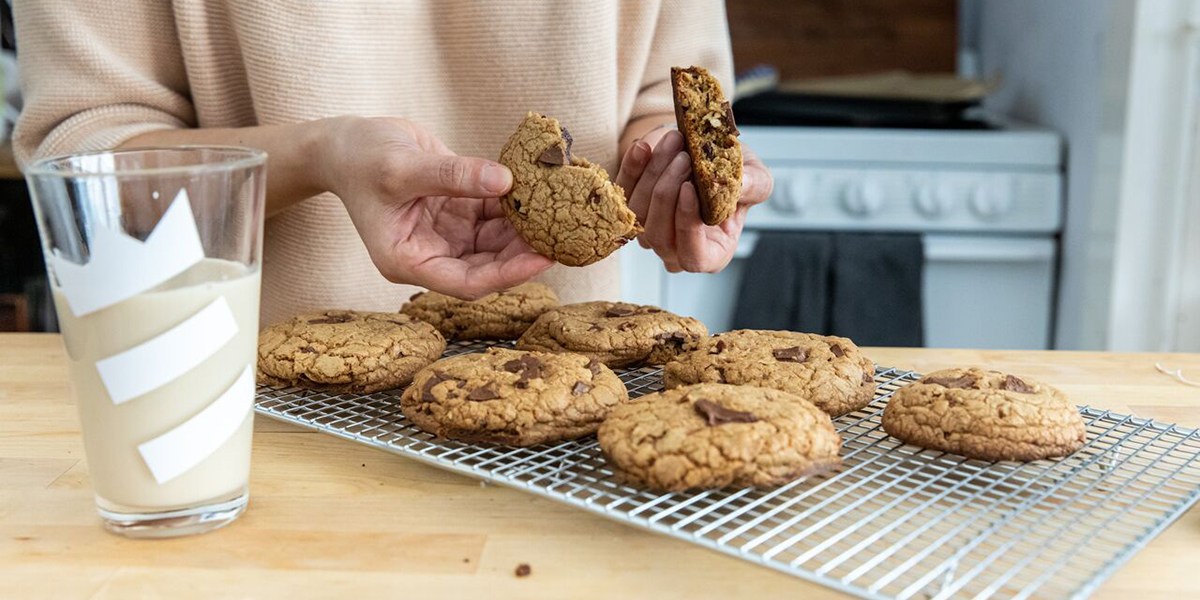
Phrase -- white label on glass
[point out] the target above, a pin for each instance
(121, 267)
(162, 359)
(179, 450)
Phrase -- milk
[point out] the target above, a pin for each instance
(112, 432)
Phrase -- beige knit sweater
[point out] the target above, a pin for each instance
(98, 72)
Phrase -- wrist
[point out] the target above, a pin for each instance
(322, 141)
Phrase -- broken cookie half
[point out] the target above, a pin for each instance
(710, 136)
(562, 205)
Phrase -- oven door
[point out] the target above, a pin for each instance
(980, 291)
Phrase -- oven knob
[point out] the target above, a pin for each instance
(863, 199)
(933, 201)
(991, 201)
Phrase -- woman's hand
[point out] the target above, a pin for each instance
(427, 216)
(656, 176)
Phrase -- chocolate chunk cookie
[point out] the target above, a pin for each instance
(713, 435)
(615, 333)
(512, 397)
(828, 371)
(500, 316)
(986, 415)
(705, 118)
(562, 205)
(346, 351)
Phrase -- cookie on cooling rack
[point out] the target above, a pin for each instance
(512, 397)
(987, 415)
(617, 334)
(828, 371)
(346, 351)
(715, 435)
(500, 316)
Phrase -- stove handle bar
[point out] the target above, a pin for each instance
(958, 248)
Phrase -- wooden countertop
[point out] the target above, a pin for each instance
(331, 518)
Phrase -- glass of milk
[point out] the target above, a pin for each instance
(153, 257)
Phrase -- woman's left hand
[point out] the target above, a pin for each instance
(656, 176)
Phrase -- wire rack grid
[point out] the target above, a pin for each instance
(896, 521)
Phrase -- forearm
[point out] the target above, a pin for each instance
(295, 163)
(638, 128)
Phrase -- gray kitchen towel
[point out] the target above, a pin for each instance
(785, 283)
(877, 298)
(864, 286)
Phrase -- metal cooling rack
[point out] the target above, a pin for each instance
(896, 522)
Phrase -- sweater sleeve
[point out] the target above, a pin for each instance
(96, 73)
(687, 33)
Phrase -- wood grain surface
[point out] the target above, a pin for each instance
(329, 518)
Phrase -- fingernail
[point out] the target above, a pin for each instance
(495, 179)
(672, 142)
(680, 164)
(641, 151)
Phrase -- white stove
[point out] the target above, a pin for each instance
(987, 203)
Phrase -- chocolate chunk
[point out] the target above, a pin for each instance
(415, 296)
(716, 414)
(707, 147)
(580, 388)
(329, 319)
(837, 350)
(1016, 384)
(963, 382)
(594, 198)
(621, 241)
(676, 338)
(554, 156)
(729, 118)
(516, 205)
(868, 377)
(794, 354)
(567, 138)
(594, 366)
(719, 347)
(626, 326)
(619, 310)
(481, 394)
(523, 569)
(308, 350)
(528, 366)
(427, 389)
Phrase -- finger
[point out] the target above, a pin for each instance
(455, 176)
(660, 222)
(757, 182)
(633, 165)
(494, 235)
(664, 153)
(462, 279)
(690, 240)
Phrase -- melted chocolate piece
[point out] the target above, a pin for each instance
(580, 388)
(523, 569)
(729, 118)
(837, 350)
(330, 319)
(868, 377)
(707, 148)
(482, 394)
(619, 310)
(554, 156)
(963, 382)
(594, 198)
(594, 366)
(716, 414)
(794, 354)
(308, 350)
(719, 347)
(415, 296)
(676, 338)
(528, 366)
(626, 326)
(1016, 384)
(427, 389)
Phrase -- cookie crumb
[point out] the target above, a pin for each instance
(523, 570)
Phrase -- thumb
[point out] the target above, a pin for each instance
(465, 176)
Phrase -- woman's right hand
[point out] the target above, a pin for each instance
(427, 216)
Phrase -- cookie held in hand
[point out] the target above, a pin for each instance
(710, 136)
(562, 205)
